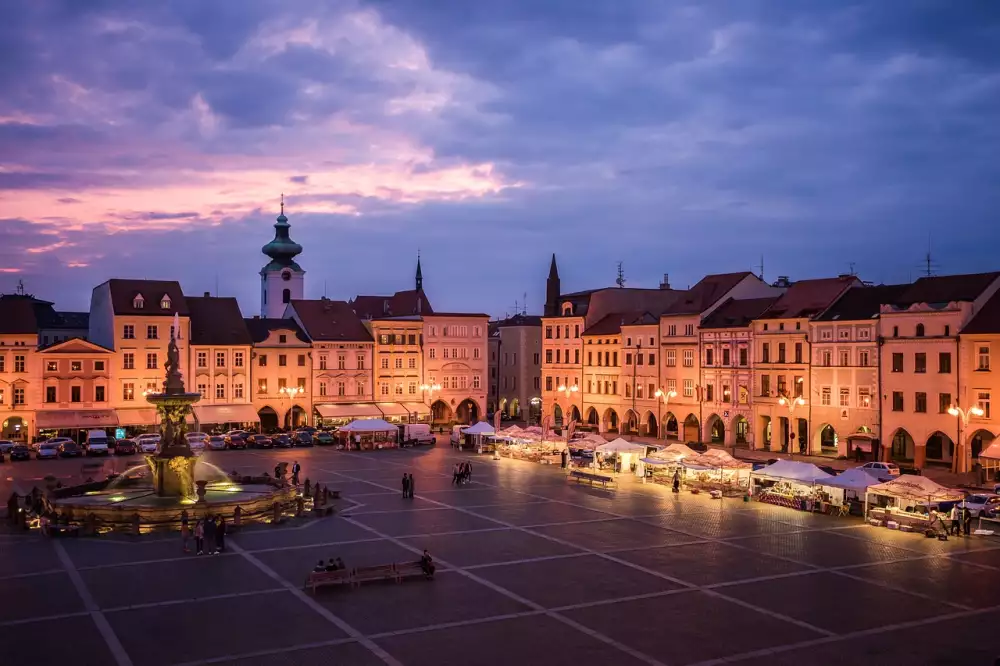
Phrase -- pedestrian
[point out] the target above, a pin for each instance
(406, 486)
(956, 516)
(185, 532)
(199, 537)
(468, 472)
(220, 534)
(967, 520)
(677, 480)
(427, 564)
(296, 468)
(409, 485)
(209, 534)
(456, 474)
(13, 504)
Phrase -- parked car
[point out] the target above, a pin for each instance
(191, 436)
(302, 438)
(6, 446)
(70, 449)
(259, 442)
(97, 443)
(982, 504)
(49, 449)
(20, 452)
(237, 442)
(126, 447)
(282, 440)
(323, 438)
(414, 434)
(235, 433)
(216, 443)
(882, 468)
(148, 442)
(52, 440)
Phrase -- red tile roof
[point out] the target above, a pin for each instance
(612, 324)
(260, 329)
(987, 320)
(328, 320)
(709, 289)
(738, 313)
(860, 303)
(807, 298)
(17, 315)
(947, 288)
(217, 321)
(409, 302)
(123, 293)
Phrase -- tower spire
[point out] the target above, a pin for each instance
(552, 290)
(420, 275)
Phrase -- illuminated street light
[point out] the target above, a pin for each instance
(962, 461)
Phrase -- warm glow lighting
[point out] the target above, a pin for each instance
(781, 401)
(562, 388)
(953, 411)
(801, 401)
(118, 498)
(976, 411)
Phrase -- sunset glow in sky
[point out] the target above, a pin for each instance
(154, 140)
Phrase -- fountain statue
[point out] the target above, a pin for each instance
(172, 465)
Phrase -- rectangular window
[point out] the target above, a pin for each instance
(411, 363)
(782, 385)
(845, 358)
(151, 361)
(476, 382)
(864, 397)
(238, 359)
(76, 366)
(398, 389)
(50, 394)
(765, 352)
(548, 356)
(800, 385)
(709, 392)
(220, 391)
(128, 361)
(825, 394)
(18, 395)
(688, 329)
(128, 332)
(897, 362)
(628, 359)
(576, 356)
(671, 358)
(361, 388)
(548, 383)
(628, 390)
(920, 403)
(536, 357)
(202, 358)
(983, 402)
(920, 362)
(781, 352)
(2, 364)
(671, 385)
(128, 391)
(238, 391)
(74, 394)
(152, 332)
(944, 403)
(322, 388)
(262, 361)
(282, 360)
(261, 386)
(202, 389)
(944, 363)
(399, 364)
(709, 356)
(897, 401)
(688, 358)
(845, 397)
(282, 383)
(688, 388)
(301, 383)
(383, 389)
(983, 358)
(725, 356)
(765, 385)
(446, 355)
(798, 349)
(615, 355)
(744, 356)
(672, 330)
(548, 332)
(558, 356)
(826, 358)
(98, 394)
(361, 360)
(18, 363)
(220, 359)
(864, 358)
(302, 360)
(432, 353)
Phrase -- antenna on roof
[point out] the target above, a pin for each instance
(620, 281)
(524, 304)
(851, 270)
(20, 288)
(929, 267)
(761, 268)
(216, 285)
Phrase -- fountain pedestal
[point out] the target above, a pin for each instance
(173, 463)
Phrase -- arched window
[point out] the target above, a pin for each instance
(920, 330)
(286, 295)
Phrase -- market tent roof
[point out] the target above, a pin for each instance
(673, 453)
(226, 414)
(392, 409)
(918, 488)
(368, 425)
(992, 451)
(794, 470)
(348, 411)
(856, 478)
(715, 458)
(621, 446)
(481, 428)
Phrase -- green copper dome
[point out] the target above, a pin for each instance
(282, 250)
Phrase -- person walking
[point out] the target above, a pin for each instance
(967, 521)
(296, 468)
(406, 486)
(199, 537)
(677, 481)
(209, 534)
(956, 515)
(220, 535)
(185, 533)
(409, 485)
(468, 472)
(456, 474)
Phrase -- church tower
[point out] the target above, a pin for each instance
(420, 275)
(282, 280)
(552, 288)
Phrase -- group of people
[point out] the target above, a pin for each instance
(335, 564)
(961, 520)
(407, 486)
(462, 473)
(210, 529)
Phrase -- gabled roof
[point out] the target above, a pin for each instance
(217, 321)
(738, 313)
(17, 315)
(859, 303)
(612, 324)
(709, 289)
(61, 347)
(517, 320)
(807, 298)
(946, 288)
(260, 329)
(70, 320)
(330, 320)
(987, 320)
(409, 302)
(123, 293)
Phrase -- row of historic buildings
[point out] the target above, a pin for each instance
(804, 365)
(301, 361)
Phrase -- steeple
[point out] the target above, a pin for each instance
(420, 276)
(552, 290)
(282, 250)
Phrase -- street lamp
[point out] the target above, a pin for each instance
(664, 397)
(791, 403)
(290, 392)
(964, 416)
(568, 391)
(429, 388)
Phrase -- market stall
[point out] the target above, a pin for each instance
(790, 483)
(663, 463)
(716, 470)
(848, 488)
(621, 455)
(529, 444)
(909, 503)
(479, 435)
(989, 458)
(367, 434)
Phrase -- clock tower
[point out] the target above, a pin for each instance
(282, 280)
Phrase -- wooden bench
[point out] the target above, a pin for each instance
(411, 570)
(369, 574)
(580, 475)
(317, 579)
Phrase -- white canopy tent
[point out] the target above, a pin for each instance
(621, 446)
(368, 425)
(857, 479)
(989, 457)
(481, 428)
(802, 473)
(915, 489)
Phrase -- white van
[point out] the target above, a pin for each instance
(457, 436)
(97, 443)
(416, 434)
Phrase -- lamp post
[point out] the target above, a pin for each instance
(568, 391)
(791, 403)
(664, 397)
(290, 392)
(429, 388)
(961, 461)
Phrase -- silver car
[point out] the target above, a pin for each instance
(6, 446)
(49, 449)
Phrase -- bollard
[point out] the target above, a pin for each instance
(275, 513)
(306, 489)
(300, 505)
(135, 524)
(237, 517)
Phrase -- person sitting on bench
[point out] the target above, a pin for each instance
(332, 565)
(320, 567)
(427, 563)
(340, 564)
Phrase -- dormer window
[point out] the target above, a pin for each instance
(567, 309)
(165, 302)
(138, 302)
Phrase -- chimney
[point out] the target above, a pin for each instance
(207, 294)
(665, 284)
(419, 301)
(385, 306)
(782, 281)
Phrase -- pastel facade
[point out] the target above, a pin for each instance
(19, 371)
(980, 373)
(455, 359)
(76, 383)
(281, 373)
(519, 364)
(401, 388)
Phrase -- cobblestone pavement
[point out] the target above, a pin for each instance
(532, 570)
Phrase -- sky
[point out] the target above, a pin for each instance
(154, 140)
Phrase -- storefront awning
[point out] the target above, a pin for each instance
(69, 418)
(417, 408)
(226, 414)
(393, 409)
(137, 417)
(356, 410)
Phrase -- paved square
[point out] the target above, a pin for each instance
(531, 569)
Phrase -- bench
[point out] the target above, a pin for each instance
(317, 579)
(368, 574)
(411, 570)
(592, 478)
